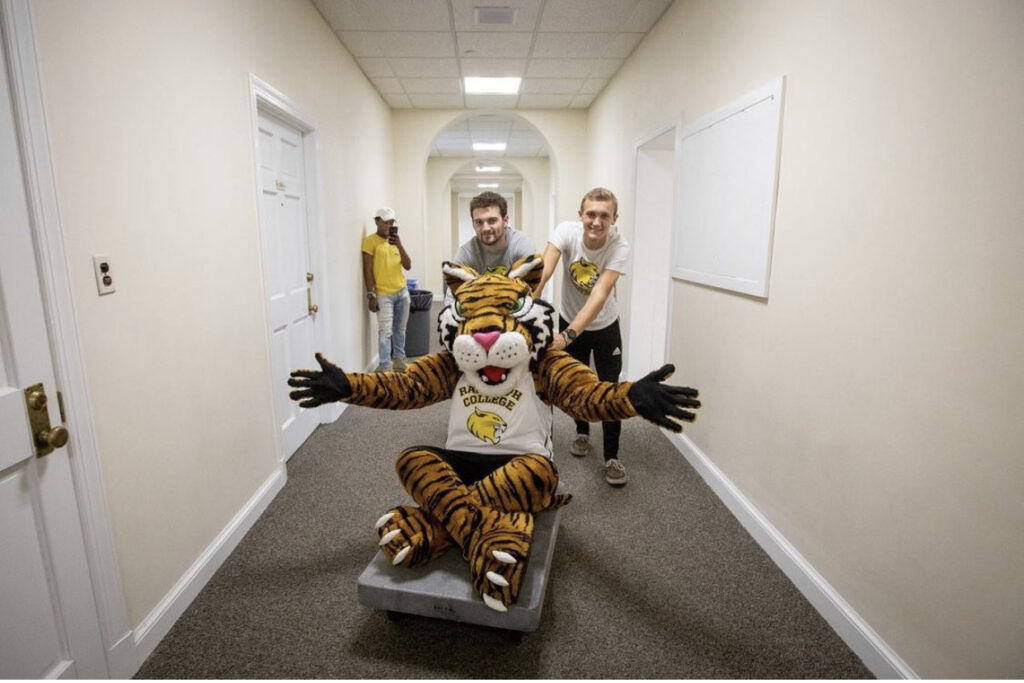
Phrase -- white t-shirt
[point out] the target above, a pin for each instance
(508, 425)
(581, 268)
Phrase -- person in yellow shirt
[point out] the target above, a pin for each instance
(384, 258)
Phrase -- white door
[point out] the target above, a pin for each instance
(289, 290)
(49, 625)
(652, 239)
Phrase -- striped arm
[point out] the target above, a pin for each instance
(429, 380)
(573, 388)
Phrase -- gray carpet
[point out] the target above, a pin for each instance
(653, 580)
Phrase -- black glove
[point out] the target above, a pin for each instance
(657, 402)
(320, 386)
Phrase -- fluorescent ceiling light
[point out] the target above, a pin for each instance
(488, 146)
(488, 169)
(484, 186)
(501, 86)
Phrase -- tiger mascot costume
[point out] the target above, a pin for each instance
(498, 370)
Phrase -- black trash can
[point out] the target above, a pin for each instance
(420, 325)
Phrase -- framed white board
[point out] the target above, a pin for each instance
(728, 169)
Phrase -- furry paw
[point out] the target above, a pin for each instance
(411, 537)
(498, 556)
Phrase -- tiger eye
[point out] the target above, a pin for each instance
(518, 305)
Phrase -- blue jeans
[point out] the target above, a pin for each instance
(392, 316)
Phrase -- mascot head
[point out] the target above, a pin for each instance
(494, 329)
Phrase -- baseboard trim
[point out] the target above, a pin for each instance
(159, 622)
(876, 654)
(122, 658)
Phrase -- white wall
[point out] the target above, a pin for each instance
(149, 115)
(870, 408)
(414, 131)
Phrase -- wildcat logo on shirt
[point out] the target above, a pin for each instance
(583, 274)
(486, 426)
(497, 269)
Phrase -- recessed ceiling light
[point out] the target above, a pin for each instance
(484, 186)
(483, 84)
(488, 169)
(494, 15)
(489, 146)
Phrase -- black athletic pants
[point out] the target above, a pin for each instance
(606, 346)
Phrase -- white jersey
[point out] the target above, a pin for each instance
(515, 423)
(581, 268)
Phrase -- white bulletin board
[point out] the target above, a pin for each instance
(728, 169)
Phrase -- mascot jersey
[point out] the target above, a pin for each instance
(581, 268)
(508, 425)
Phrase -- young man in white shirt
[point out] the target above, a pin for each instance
(595, 257)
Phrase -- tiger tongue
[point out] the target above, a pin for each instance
(494, 373)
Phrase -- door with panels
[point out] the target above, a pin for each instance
(288, 280)
(49, 622)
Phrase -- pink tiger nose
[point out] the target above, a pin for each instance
(486, 339)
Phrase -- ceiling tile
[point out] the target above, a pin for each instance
(491, 101)
(544, 100)
(590, 16)
(398, 15)
(341, 14)
(375, 67)
(436, 101)
(492, 67)
(551, 85)
(582, 101)
(408, 67)
(361, 43)
(622, 45)
(526, 15)
(489, 44)
(558, 68)
(387, 86)
(446, 86)
(605, 68)
(646, 15)
(417, 44)
(571, 45)
(592, 86)
(397, 100)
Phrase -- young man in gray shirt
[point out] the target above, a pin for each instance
(497, 245)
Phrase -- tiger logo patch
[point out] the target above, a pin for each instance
(583, 274)
(486, 426)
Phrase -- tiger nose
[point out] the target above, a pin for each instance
(486, 339)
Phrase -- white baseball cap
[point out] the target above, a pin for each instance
(385, 214)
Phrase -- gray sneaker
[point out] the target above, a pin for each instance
(615, 472)
(381, 368)
(580, 446)
(400, 365)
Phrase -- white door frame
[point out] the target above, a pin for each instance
(677, 125)
(44, 211)
(266, 98)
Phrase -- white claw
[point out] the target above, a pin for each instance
(494, 604)
(384, 519)
(386, 538)
(502, 556)
(401, 555)
(497, 579)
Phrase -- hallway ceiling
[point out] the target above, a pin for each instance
(416, 52)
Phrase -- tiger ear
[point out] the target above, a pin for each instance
(529, 269)
(456, 274)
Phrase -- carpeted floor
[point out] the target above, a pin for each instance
(653, 580)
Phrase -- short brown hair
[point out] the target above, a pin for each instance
(601, 194)
(485, 199)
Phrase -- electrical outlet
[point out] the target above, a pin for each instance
(104, 274)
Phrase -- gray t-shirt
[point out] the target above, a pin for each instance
(472, 254)
(581, 268)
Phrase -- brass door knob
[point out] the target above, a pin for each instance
(55, 437)
(314, 308)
